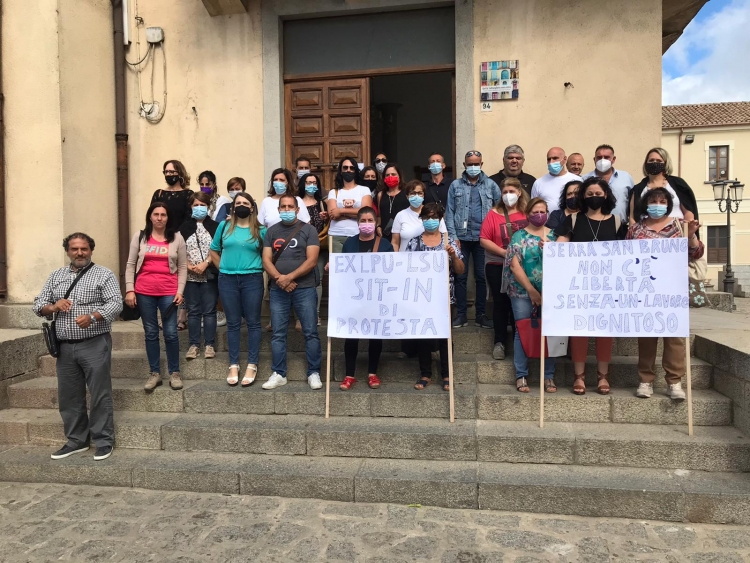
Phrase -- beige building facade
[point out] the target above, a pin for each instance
(230, 65)
(711, 142)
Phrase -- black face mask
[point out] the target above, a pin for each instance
(372, 184)
(348, 176)
(572, 203)
(172, 180)
(654, 168)
(242, 212)
(595, 202)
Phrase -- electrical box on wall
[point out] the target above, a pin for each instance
(154, 34)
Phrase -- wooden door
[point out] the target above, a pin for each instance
(327, 120)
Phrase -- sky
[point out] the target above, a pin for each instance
(710, 62)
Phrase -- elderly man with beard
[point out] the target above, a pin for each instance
(84, 299)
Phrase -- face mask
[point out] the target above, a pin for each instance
(311, 188)
(510, 199)
(200, 212)
(436, 168)
(288, 216)
(654, 168)
(473, 170)
(372, 184)
(367, 228)
(656, 210)
(391, 181)
(595, 202)
(172, 180)
(233, 195)
(431, 225)
(279, 187)
(603, 165)
(571, 202)
(416, 200)
(207, 189)
(348, 176)
(301, 173)
(538, 219)
(242, 212)
(554, 168)
(380, 166)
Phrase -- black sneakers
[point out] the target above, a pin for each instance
(484, 322)
(102, 453)
(460, 321)
(67, 450)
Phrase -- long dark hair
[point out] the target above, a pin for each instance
(339, 180)
(400, 176)
(301, 185)
(149, 228)
(287, 175)
(563, 204)
(211, 178)
(610, 200)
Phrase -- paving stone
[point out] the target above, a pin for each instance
(415, 548)
(524, 540)
(732, 539)
(715, 557)
(616, 528)
(593, 550)
(471, 557)
(678, 537)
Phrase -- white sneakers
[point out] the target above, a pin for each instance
(274, 381)
(645, 390)
(314, 380)
(675, 391)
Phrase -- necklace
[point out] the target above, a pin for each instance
(596, 234)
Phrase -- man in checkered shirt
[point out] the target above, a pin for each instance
(83, 324)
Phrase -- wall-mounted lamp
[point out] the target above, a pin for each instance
(689, 139)
(569, 85)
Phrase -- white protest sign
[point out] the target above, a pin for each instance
(389, 295)
(616, 288)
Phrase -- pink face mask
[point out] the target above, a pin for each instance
(367, 228)
(538, 219)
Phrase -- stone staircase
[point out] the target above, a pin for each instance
(613, 456)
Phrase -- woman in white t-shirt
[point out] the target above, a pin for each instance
(344, 202)
(407, 224)
(281, 181)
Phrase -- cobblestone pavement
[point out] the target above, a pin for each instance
(43, 522)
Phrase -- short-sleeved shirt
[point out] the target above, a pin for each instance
(549, 188)
(437, 193)
(525, 246)
(590, 230)
(527, 180)
(241, 253)
(347, 199)
(268, 214)
(495, 229)
(295, 253)
(408, 225)
(154, 277)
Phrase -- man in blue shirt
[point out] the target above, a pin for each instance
(470, 198)
(620, 181)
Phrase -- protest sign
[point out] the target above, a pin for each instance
(635, 288)
(389, 295)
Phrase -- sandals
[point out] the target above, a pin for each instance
(250, 373)
(232, 380)
(373, 381)
(602, 385)
(422, 383)
(579, 386)
(347, 383)
(549, 386)
(446, 384)
(522, 385)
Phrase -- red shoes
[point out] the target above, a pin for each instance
(373, 381)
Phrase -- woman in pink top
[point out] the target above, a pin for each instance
(155, 279)
(506, 218)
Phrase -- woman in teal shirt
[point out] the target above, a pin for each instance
(237, 251)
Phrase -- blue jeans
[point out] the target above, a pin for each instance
(201, 299)
(148, 305)
(522, 310)
(304, 301)
(242, 296)
(474, 249)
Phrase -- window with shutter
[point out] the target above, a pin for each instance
(717, 245)
(718, 163)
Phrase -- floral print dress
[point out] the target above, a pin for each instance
(417, 245)
(198, 246)
(526, 247)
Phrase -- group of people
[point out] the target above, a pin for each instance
(208, 250)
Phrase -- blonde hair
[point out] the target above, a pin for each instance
(254, 224)
(523, 197)
(664, 156)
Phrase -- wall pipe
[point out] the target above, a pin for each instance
(3, 237)
(121, 140)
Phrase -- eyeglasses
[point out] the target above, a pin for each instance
(171, 173)
(347, 169)
(421, 194)
(473, 153)
(380, 160)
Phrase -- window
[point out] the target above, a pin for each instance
(717, 245)
(718, 163)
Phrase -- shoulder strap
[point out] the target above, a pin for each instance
(276, 254)
(377, 244)
(221, 236)
(507, 222)
(77, 279)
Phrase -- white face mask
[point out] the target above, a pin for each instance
(380, 166)
(603, 165)
(510, 199)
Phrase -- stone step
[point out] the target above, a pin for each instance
(483, 401)
(610, 492)
(722, 448)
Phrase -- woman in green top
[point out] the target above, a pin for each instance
(236, 250)
(522, 281)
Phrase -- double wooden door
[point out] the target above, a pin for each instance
(327, 120)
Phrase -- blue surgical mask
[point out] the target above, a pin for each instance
(436, 168)
(473, 170)
(200, 212)
(554, 168)
(311, 188)
(416, 200)
(279, 188)
(431, 225)
(287, 216)
(656, 210)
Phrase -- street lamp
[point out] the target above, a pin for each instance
(728, 193)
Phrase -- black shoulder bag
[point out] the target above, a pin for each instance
(48, 329)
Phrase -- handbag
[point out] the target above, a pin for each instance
(48, 329)
(530, 333)
(697, 294)
(209, 273)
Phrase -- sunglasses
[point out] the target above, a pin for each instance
(380, 160)
(348, 169)
(473, 153)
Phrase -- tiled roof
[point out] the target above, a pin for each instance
(699, 115)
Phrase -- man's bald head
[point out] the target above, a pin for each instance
(555, 154)
(575, 163)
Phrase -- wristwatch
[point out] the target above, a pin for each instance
(93, 318)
